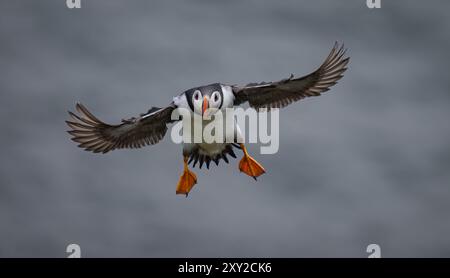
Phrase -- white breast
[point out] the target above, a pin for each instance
(228, 96)
(181, 102)
(211, 149)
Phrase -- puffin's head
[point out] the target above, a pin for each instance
(201, 99)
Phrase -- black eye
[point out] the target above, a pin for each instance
(216, 97)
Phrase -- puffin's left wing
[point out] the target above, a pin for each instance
(281, 93)
(97, 136)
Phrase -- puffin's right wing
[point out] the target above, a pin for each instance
(97, 136)
(284, 92)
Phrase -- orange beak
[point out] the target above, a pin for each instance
(205, 105)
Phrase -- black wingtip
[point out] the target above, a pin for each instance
(78, 105)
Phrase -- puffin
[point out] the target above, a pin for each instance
(149, 128)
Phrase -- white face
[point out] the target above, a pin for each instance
(197, 101)
(206, 105)
(215, 100)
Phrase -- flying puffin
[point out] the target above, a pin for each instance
(149, 128)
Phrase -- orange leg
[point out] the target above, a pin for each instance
(249, 165)
(187, 180)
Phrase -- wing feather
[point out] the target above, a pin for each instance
(281, 93)
(94, 135)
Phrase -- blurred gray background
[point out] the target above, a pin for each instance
(366, 163)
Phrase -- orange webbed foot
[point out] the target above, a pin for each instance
(250, 166)
(187, 180)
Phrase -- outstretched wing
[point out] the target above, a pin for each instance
(97, 136)
(281, 93)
